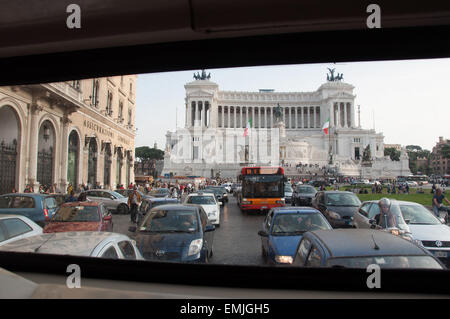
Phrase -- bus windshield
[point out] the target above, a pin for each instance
(263, 186)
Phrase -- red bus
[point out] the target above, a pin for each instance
(262, 188)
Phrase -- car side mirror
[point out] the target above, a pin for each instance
(262, 233)
(132, 229)
(210, 228)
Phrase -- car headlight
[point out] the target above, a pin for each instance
(195, 247)
(334, 215)
(212, 214)
(246, 202)
(282, 201)
(417, 242)
(283, 259)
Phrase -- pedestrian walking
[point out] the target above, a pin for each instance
(134, 199)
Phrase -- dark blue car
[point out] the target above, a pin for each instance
(283, 229)
(175, 232)
(37, 207)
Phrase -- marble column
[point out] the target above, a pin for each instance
(33, 146)
(344, 105)
(64, 151)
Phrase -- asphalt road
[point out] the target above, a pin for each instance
(236, 241)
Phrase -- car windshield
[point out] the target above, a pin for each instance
(418, 215)
(184, 221)
(306, 190)
(77, 214)
(202, 200)
(297, 223)
(342, 199)
(424, 262)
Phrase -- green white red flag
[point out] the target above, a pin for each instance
(325, 126)
(249, 126)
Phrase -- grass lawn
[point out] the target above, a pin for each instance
(424, 199)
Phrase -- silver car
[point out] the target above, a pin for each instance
(89, 244)
(113, 201)
(425, 228)
(16, 227)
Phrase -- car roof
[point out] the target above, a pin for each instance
(64, 243)
(361, 242)
(295, 209)
(337, 192)
(400, 202)
(82, 204)
(176, 207)
(201, 194)
(26, 194)
(5, 216)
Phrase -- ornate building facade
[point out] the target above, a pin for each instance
(76, 132)
(286, 129)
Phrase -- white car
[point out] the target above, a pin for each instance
(85, 243)
(16, 227)
(425, 229)
(209, 204)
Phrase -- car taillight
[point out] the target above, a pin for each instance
(46, 214)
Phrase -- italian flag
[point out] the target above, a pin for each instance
(249, 125)
(325, 126)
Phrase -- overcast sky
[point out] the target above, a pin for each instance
(408, 101)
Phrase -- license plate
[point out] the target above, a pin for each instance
(440, 254)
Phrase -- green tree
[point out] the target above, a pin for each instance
(145, 153)
(392, 153)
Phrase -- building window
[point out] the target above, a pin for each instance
(94, 95)
(129, 118)
(120, 118)
(109, 103)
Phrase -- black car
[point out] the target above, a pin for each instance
(175, 232)
(319, 183)
(303, 195)
(217, 192)
(359, 248)
(337, 206)
(222, 189)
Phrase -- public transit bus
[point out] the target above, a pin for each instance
(262, 188)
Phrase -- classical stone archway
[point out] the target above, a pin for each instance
(9, 136)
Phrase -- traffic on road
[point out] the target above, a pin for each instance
(263, 219)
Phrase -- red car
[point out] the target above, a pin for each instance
(80, 216)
